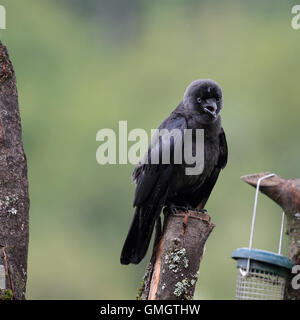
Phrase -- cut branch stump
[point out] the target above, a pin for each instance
(173, 271)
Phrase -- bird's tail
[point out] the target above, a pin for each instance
(139, 235)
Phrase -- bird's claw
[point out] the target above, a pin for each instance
(172, 209)
(175, 209)
(201, 210)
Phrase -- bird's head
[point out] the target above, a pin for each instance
(204, 96)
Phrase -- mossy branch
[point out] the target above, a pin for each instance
(173, 271)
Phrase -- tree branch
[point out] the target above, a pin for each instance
(14, 199)
(174, 267)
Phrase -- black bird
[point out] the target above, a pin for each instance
(167, 185)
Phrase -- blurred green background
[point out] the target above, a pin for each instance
(85, 65)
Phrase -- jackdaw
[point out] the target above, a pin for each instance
(162, 185)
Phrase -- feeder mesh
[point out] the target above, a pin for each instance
(259, 285)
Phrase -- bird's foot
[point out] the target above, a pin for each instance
(172, 208)
(201, 210)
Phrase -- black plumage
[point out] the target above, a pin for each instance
(159, 185)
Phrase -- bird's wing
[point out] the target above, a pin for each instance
(152, 181)
(200, 196)
(223, 157)
(153, 178)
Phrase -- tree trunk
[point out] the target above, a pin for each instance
(14, 199)
(286, 193)
(174, 267)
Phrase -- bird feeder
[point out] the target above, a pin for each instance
(261, 274)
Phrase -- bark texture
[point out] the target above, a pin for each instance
(14, 199)
(174, 267)
(286, 193)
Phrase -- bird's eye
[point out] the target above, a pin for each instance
(199, 100)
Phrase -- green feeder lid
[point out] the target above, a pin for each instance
(262, 260)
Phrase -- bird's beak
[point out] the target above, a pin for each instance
(210, 106)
